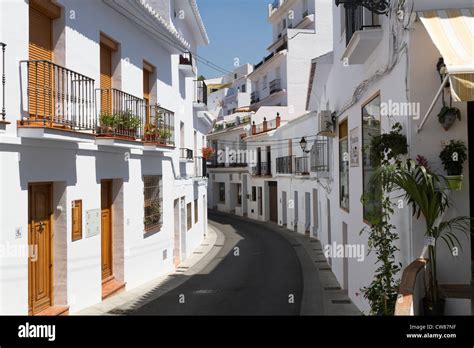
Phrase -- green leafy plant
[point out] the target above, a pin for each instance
(453, 157)
(423, 191)
(164, 134)
(388, 146)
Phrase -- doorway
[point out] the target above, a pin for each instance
(106, 229)
(273, 187)
(345, 263)
(295, 206)
(177, 250)
(183, 229)
(40, 265)
(284, 208)
(470, 146)
(315, 213)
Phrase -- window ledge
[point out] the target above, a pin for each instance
(362, 45)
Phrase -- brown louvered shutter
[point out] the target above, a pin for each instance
(40, 74)
(76, 220)
(105, 79)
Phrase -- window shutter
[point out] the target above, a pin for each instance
(76, 220)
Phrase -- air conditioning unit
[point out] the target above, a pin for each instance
(326, 124)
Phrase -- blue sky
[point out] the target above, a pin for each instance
(237, 29)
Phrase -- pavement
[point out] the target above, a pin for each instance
(243, 267)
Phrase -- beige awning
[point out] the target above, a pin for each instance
(452, 32)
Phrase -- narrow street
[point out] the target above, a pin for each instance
(255, 273)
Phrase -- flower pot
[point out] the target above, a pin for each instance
(433, 308)
(449, 120)
(454, 182)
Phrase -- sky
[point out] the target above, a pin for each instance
(236, 29)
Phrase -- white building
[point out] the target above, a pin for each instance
(229, 92)
(95, 193)
(301, 31)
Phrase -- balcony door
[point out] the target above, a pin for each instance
(106, 229)
(40, 74)
(105, 79)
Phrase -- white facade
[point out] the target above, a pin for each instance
(74, 163)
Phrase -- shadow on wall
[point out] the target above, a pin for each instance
(84, 18)
(112, 165)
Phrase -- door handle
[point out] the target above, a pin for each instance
(41, 227)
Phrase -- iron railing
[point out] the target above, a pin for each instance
(186, 154)
(284, 165)
(319, 155)
(159, 126)
(58, 97)
(200, 92)
(301, 166)
(262, 169)
(213, 162)
(275, 86)
(3, 112)
(120, 114)
(200, 167)
(254, 97)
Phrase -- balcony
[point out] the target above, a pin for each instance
(185, 155)
(275, 86)
(362, 44)
(319, 157)
(301, 166)
(254, 97)
(186, 65)
(121, 116)
(266, 126)
(284, 165)
(3, 113)
(262, 169)
(213, 162)
(200, 95)
(159, 126)
(57, 100)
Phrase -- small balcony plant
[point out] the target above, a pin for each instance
(207, 152)
(453, 157)
(448, 115)
(107, 123)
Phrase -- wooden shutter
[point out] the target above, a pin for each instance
(40, 74)
(76, 220)
(105, 79)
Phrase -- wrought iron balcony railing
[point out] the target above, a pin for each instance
(186, 58)
(301, 166)
(262, 169)
(159, 126)
(3, 112)
(186, 154)
(120, 114)
(284, 165)
(200, 92)
(275, 86)
(58, 97)
(319, 155)
(254, 97)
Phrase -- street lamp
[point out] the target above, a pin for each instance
(303, 145)
(376, 6)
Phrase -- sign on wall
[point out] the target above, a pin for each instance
(354, 139)
(92, 223)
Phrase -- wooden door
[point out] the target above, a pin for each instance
(106, 228)
(40, 294)
(40, 74)
(105, 79)
(273, 186)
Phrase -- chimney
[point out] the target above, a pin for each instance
(278, 120)
(254, 128)
(264, 124)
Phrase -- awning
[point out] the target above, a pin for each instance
(452, 32)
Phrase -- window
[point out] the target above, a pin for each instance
(283, 24)
(354, 21)
(319, 155)
(344, 166)
(239, 194)
(76, 220)
(260, 200)
(254, 193)
(189, 215)
(235, 76)
(370, 129)
(153, 196)
(196, 211)
(243, 88)
(221, 192)
(265, 82)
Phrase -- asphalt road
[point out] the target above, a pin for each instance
(262, 280)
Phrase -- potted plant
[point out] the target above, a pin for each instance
(107, 124)
(447, 116)
(388, 146)
(207, 152)
(424, 192)
(164, 135)
(453, 156)
(152, 133)
(129, 124)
